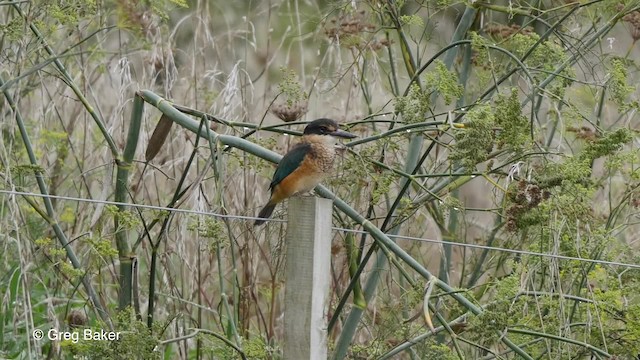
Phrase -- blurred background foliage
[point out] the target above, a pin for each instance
(483, 127)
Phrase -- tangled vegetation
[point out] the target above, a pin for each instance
(498, 148)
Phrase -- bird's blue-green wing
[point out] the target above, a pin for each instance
(289, 163)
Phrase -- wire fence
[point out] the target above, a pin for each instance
(345, 230)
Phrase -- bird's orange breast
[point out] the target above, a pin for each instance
(301, 180)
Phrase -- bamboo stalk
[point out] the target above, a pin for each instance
(69, 81)
(381, 238)
(51, 215)
(125, 277)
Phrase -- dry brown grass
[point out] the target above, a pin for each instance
(221, 274)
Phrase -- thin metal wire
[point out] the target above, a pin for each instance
(241, 217)
(514, 251)
(141, 206)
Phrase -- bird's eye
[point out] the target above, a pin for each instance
(324, 130)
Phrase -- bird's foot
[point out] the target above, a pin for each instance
(306, 194)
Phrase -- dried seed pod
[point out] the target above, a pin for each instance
(158, 137)
(76, 318)
(290, 112)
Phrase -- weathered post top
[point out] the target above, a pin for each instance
(307, 278)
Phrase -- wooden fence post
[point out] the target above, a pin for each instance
(307, 278)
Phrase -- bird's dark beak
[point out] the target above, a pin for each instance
(343, 134)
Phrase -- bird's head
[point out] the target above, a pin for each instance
(326, 131)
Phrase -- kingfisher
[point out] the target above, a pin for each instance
(306, 164)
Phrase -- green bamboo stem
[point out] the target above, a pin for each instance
(552, 294)
(578, 54)
(415, 145)
(459, 43)
(232, 321)
(418, 339)
(353, 319)
(232, 328)
(476, 273)
(398, 130)
(341, 348)
(352, 255)
(41, 65)
(183, 120)
(505, 352)
(468, 17)
(69, 81)
(530, 51)
(278, 128)
(451, 229)
(51, 215)
(407, 56)
(393, 81)
(121, 192)
(355, 254)
(449, 234)
(207, 332)
(153, 266)
(179, 192)
(381, 238)
(590, 347)
(414, 149)
(408, 344)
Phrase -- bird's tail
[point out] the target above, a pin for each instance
(265, 213)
